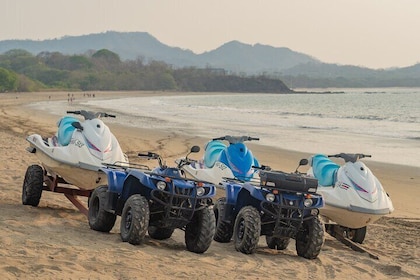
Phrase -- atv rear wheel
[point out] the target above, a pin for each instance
(310, 238)
(99, 218)
(356, 235)
(134, 219)
(278, 243)
(247, 229)
(160, 233)
(224, 230)
(200, 231)
(33, 185)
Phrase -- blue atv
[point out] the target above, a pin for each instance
(155, 201)
(279, 205)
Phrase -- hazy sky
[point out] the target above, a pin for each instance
(371, 33)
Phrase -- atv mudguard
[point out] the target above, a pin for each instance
(116, 179)
(242, 193)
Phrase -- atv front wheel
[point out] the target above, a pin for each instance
(160, 233)
(247, 229)
(310, 238)
(224, 230)
(99, 218)
(134, 219)
(200, 231)
(356, 235)
(33, 185)
(278, 243)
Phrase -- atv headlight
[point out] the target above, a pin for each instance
(270, 197)
(200, 191)
(307, 202)
(161, 185)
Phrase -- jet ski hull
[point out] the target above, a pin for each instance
(351, 217)
(354, 197)
(82, 175)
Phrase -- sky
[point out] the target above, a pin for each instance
(369, 33)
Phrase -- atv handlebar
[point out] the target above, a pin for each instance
(236, 139)
(262, 167)
(349, 157)
(185, 161)
(151, 155)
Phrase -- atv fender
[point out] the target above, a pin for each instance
(143, 178)
(115, 179)
(233, 191)
(137, 182)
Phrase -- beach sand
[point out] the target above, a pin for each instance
(54, 241)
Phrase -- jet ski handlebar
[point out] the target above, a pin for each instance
(350, 157)
(236, 139)
(89, 115)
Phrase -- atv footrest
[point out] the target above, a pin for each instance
(285, 232)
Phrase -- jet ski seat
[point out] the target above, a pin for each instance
(325, 170)
(65, 130)
(212, 151)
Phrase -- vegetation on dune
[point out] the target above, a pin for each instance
(104, 70)
(8, 80)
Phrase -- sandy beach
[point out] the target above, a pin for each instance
(54, 241)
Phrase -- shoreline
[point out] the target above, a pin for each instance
(54, 241)
(298, 137)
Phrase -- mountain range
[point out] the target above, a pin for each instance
(236, 57)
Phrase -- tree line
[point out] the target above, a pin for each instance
(103, 70)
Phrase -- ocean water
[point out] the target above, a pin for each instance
(384, 123)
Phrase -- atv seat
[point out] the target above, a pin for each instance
(325, 170)
(65, 130)
(212, 151)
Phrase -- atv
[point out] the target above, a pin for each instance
(279, 205)
(156, 201)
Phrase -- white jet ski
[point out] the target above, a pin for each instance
(79, 149)
(353, 196)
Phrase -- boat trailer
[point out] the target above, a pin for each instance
(51, 183)
(338, 233)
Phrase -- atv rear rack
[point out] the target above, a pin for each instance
(288, 182)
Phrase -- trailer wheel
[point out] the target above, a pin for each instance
(224, 230)
(135, 219)
(310, 238)
(356, 235)
(160, 233)
(33, 185)
(247, 229)
(278, 243)
(200, 231)
(99, 218)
